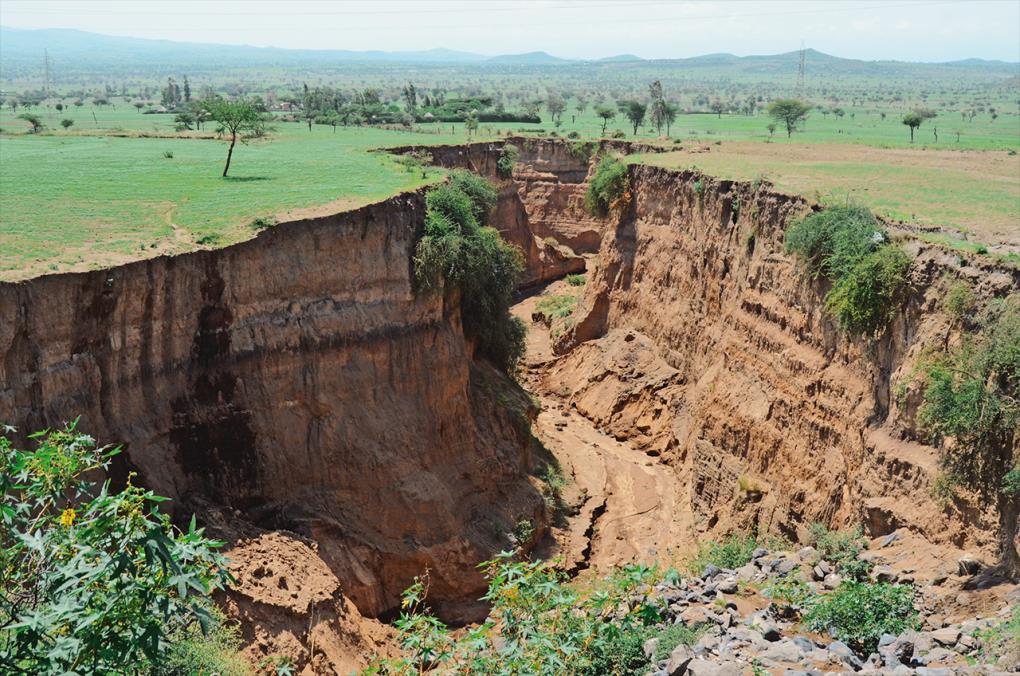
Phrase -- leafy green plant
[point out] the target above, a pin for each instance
(91, 579)
(458, 250)
(858, 613)
(539, 623)
(508, 155)
(731, 552)
(608, 187)
(262, 223)
(792, 591)
(575, 280)
(845, 245)
(1003, 639)
(944, 488)
(675, 635)
(842, 549)
(194, 652)
(959, 301)
(865, 299)
(971, 407)
(832, 241)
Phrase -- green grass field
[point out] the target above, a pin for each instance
(103, 193)
(975, 193)
(79, 202)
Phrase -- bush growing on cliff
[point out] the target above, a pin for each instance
(971, 408)
(845, 245)
(865, 299)
(507, 157)
(91, 580)
(607, 186)
(458, 251)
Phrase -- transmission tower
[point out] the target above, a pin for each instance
(800, 70)
(46, 68)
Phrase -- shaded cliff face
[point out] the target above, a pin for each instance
(701, 341)
(297, 379)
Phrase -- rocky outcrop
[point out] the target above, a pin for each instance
(734, 373)
(297, 379)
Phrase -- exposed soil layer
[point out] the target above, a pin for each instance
(297, 380)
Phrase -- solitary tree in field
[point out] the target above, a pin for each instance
(33, 120)
(771, 128)
(718, 107)
(66, 123)
(556, 105)
(240, 120)
(669, 113)
(657, 109)
(606, 114)
(635, 112)
(789, 112)
(410, 99)
(912, 120)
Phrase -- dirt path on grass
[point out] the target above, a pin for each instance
(621, 505)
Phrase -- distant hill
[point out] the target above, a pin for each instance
(78, 54)
(530, 59)
(620, 58)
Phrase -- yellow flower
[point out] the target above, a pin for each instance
(67, 517)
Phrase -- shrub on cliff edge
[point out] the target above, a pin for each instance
(457, 251)
(607, 186)
(846, 245)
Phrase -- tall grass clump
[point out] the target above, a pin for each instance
(457, 251)
(845, 245)
(607, 187)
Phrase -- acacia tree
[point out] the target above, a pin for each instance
(556, 105)
(789, 112)
(914, 118)
(240, 120)
(635, 112)
(33, 120)
(606, 114)
(669, 112)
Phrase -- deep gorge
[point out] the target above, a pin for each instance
(295, 384)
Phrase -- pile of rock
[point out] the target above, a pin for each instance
(744, 632)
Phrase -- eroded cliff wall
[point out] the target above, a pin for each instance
(700, 340)
(297, 379)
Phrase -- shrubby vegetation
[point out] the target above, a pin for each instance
(858, 613)
(607, 187)
(972, 409)
(458, 252)
(93, 580)
(842, 549)
(845, 245)
(540, 623)
(508, 155)
(733, 551)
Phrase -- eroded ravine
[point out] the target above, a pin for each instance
(624, 505)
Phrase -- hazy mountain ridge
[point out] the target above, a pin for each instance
(73, 51)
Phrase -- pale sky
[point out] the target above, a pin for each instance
(911, 30)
